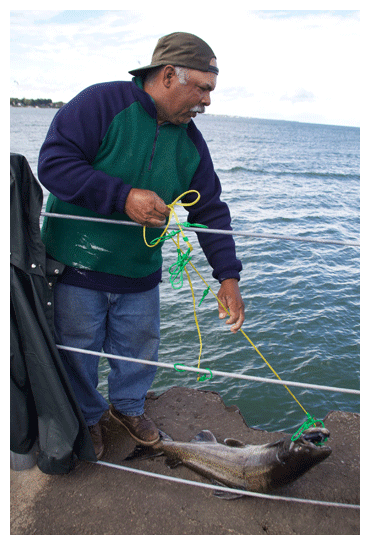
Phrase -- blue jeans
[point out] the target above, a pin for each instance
(121, 324)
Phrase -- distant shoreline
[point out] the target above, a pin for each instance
(35, 103)
(45, 103)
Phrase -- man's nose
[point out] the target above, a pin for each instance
(206, 98)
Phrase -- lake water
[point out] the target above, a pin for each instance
(302, 299)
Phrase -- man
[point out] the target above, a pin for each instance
(124, 150)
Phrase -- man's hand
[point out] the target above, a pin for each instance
(230, 297)
(145, 207)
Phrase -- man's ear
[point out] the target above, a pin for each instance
(168, 74)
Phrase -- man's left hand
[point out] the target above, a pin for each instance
(230, 297)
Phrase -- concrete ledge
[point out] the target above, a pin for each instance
(97, 500)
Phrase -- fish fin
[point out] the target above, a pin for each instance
(274, 444)
(205, 436)
(143, 453)
(171, 463)
(164, 436)
(233, 443)
(225, 494)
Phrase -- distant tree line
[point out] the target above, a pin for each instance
(35, 102)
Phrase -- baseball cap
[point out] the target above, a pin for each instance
(180, 49)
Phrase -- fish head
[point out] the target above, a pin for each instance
(308, 450)
(294, 458)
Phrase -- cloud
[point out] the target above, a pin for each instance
(63, 57)
(276, 64)
(233, 93)
(28, 17)
(301, 95)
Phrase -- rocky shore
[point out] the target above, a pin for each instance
(99, 500)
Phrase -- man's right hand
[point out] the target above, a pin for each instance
(145, 207)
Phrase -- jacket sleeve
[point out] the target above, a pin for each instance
(210, 210)
(73, 140)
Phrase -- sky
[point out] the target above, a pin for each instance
(290, 65)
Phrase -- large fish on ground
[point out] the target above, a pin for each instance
(257, 468)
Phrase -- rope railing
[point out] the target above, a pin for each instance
(215, 486)
(209, 230)
(199, 370)
(214, 372)
(226, 489)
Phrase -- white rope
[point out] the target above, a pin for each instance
(226, 489)
(213, 231)
(218, 373)
(207, 371)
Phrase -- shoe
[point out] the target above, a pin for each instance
(97, 439)
(141, 428)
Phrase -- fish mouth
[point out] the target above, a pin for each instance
(316, 436)
(313, 439)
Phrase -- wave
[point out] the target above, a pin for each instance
(285, 173)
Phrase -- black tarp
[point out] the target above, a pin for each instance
(42, 404)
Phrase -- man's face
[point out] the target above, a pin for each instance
(184, 101)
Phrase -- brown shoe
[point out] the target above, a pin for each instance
(96, 436)
(141, 428)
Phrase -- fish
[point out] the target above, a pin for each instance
(256, 468)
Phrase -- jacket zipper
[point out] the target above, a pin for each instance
(154, 146)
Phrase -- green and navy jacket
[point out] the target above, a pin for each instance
(101, 144)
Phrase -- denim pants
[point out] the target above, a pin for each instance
(121, 324)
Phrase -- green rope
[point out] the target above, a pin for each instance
(205, 293)
(311, 421)
(177, 269)
(174, 233)
(187, 224)
(166, 237)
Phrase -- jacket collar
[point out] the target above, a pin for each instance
(148, 102)
(145, 99)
